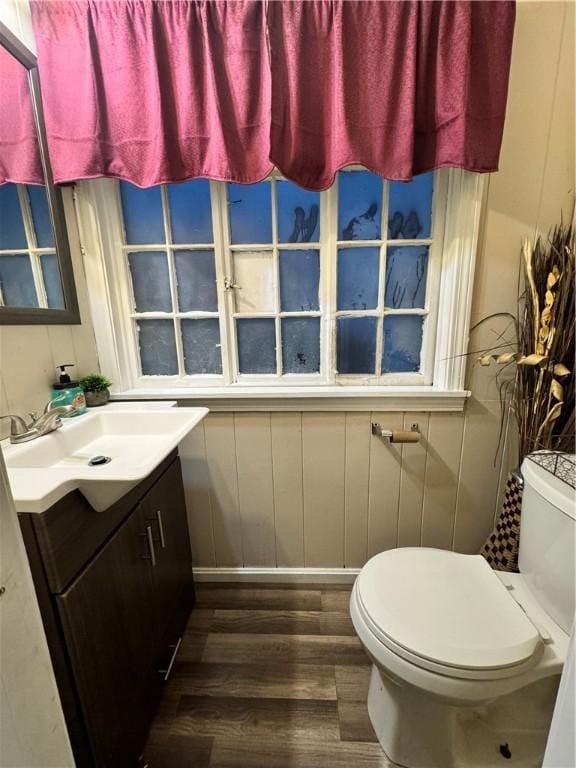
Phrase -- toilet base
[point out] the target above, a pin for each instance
(420, 731)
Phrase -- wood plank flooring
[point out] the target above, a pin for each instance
(267, 677)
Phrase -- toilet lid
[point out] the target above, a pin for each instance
(445, 607)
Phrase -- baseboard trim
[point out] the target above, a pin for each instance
(279, 575)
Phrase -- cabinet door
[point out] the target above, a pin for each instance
(107, 615)
(164, 509)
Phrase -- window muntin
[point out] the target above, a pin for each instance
(29, 268)
(275, 294)
(294, 286)
(384, 241)
(168, 243)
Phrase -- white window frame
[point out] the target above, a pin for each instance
(439, 386)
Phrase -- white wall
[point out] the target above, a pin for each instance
(561, 746)
(32, 729)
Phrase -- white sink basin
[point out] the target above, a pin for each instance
(135, 439)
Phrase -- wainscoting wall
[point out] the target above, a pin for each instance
(319, 490)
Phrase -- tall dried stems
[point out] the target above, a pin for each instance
(542, 392)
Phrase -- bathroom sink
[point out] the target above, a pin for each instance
(103, 454)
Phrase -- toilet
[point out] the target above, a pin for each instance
(467, 660)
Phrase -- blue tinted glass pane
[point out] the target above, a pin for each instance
(358, 278)
(402, 343)
(41, 216)
(52, 282)
(150, 281)
(201, 345)
(157, 347)
(410, 208)
(17, 281)
(299, 280)
(250, 211)
(256, 345)
(191, 212)
(298, 214)
(301, 344)
(12, 233)
(406, 277)
(356, 344)
(196, 281)
(359, 205)
(142, 210)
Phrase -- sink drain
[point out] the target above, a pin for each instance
(96, 461)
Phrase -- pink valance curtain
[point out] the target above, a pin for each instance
(400, 87)
(155, 90)
(19, 152)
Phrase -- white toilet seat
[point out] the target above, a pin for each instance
(461, 686)
(445, 612)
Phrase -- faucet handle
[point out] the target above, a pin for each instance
(17, 424)
(51, 404)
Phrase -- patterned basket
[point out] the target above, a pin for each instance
(501, 547)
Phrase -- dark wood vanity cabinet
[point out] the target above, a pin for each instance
(114, 629)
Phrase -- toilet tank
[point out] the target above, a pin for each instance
(547, 543)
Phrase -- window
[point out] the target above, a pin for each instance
(29, 270)
(220, 285)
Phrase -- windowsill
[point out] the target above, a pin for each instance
(244, 398)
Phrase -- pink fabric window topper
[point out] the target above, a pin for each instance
(153, 91)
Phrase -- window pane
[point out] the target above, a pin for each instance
(402, 343)
(256, 345)
(41, 216)
(142, 209)
(12, 234)
(157, 347)
(254, 273)
(201, 344)
(301, 344)
(150, 281)
(359, 205)
(410, 207)
(356, 345)
(196, 281)
(406, 277)
(299, 280)
(358, 270)
(298, 214)
(191, 212)
(52, 281)
(250, 209)
(17, 281)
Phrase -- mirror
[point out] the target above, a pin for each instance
(36, 278)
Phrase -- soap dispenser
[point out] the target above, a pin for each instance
(68, 392)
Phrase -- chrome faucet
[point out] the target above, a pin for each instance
(49, 421)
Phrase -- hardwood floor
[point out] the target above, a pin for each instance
(267, 678)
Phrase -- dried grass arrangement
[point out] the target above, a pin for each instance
(541, 393)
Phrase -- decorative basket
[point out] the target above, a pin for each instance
(501, 547)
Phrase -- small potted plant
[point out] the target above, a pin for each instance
(95, 388)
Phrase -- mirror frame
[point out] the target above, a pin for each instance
(39, 315)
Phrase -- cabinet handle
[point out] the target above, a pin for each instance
(166, 672)
(150, 540)
(160, 529)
